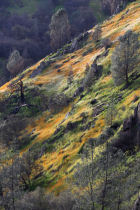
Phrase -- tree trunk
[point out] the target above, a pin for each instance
(119, 203)
(22, 98)
(126, 77)
(106, 179)
(13, 196)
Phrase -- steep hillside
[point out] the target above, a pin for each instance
(61, 116)
(25, 26)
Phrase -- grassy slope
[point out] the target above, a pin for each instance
(60, 162)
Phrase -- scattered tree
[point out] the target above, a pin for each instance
(17, 86)
(59, 29)
(125, 57)
(27, 165)
(10, 185)
(104, 162)
(84, 178)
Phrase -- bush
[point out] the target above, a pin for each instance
(10, 129)
(91, 74)
(38, 200)
(97, 33)
(57, 102)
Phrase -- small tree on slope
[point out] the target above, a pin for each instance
(59, 29)
(125, 57)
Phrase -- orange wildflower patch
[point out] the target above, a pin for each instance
(96, 131)
(106, 79)
(46, 129)
(131, 97)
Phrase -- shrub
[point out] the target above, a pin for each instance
(97, 33)
(57, 102)
(10, 130)
(91, 74)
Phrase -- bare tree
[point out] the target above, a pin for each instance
(17, 86)
(84, 177)
(59, 29)
(10, 185)
(27, 165)
(125, 57)
(104, 191)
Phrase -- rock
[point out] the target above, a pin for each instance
(78, 91)
(97, 110)
(59, 70)
(16, 63)
(40, 68)
(71, 126)
(129, 136)
(115, 125)
(77, 42)
(87, 126)
(82, 96)
(94, 101)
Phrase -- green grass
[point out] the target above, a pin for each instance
(42, 181)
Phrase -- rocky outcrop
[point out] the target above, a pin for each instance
(129, 137)
(78, 42)
(16, 63)
(43, 65)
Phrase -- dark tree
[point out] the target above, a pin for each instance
(17, 87)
